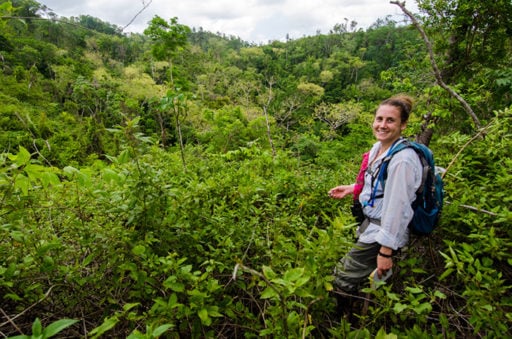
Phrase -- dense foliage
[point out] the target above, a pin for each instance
(174, 183)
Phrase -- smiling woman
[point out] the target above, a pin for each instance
(387, 210)
(387, 126)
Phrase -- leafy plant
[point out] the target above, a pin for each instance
(38, 332)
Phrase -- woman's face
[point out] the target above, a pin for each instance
(387, 124)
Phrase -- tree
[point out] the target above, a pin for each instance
(476, 33)
(471, 40)
(168, 38)
(337, 115)
(176, 102)
(435, 68)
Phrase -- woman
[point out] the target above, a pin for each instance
(388, 210)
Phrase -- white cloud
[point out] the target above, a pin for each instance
(252, 20)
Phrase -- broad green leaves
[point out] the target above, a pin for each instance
(38, 332)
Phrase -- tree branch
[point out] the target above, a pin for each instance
(10, 320)
(475, 209)
(144, 6)
(481, 132)
(437, 73)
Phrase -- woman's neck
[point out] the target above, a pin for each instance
(388, 144)
(384, 147)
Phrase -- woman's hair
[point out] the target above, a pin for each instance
(402, 102)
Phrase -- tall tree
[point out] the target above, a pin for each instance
(168, 38)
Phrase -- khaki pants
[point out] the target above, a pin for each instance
(353, 269)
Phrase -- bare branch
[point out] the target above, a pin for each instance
(10, 320)
(480, 133)
(144, 6)
(476, 209)
(265, 107)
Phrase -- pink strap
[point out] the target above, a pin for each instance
(358, 187)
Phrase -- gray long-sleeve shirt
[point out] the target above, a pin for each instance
(394, 208)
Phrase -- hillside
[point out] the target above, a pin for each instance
(174, 183)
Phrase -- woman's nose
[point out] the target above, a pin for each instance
(381, 124)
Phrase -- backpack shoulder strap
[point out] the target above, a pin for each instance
(424, 154)
(403, 144)
(381, 177)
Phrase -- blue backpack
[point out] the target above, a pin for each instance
(429, 197)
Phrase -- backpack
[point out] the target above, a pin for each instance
(429, 197)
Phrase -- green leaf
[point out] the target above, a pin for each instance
(439, 294)
(423, 308)
(161, 330)
(488, 308)
(13, 296)
(304, 293)
(22, 183)
(136, 334)
(213, 311)
(293, 319)
(173, 301)
(37, 328)
(70, 171)
(478, 276)
(269, 293)
(203, 315)
(107, 325)
(139, 250)
(88, 259)
(280, 281)
(446, 273)
(302, 281)
(49, 178)
(124, 157)
(129, 306)
(22, 158)
(294, 274)
(393, 296)
(414, 290)
(174, 285)
(18, 236)
(57, 326)
(399, 307)
(110, 175)
(383, 335)
(268, 272)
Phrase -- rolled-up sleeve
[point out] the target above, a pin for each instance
(403, 179)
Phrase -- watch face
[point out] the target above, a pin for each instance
(375, 281)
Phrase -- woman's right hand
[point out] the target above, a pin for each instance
(340, 192)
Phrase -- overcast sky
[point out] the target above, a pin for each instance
(256, 21)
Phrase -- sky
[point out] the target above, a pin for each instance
(254, 21)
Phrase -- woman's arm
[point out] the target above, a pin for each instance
(340, 192)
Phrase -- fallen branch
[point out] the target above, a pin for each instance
(476, 209)
(10, 320)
